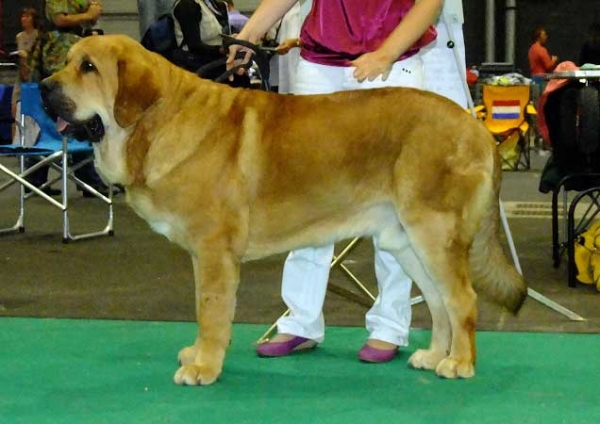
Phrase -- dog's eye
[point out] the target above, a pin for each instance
(87, 66)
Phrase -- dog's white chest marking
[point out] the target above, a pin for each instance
(162, 222)
(110, 156)
(161, 227)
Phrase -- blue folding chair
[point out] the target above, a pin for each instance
(54, 150)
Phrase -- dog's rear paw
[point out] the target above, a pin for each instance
(195, 375)
(426, 359)
(187, 355)
(454, 368)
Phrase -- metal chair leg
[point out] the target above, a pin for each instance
(555, 236)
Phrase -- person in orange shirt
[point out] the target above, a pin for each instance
(540, 61)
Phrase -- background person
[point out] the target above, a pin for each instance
(149, 10)
(198, 28)
(540, 61)
(236, 19)
(339, 53)
(30, 24)
(67, 21)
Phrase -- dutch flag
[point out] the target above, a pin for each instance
(506, 109)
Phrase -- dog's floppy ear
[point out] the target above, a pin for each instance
(138, 90)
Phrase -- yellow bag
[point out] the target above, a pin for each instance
(587, 255)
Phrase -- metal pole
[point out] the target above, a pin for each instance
(511, 13)
(490, 31)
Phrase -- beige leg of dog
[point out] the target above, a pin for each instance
(441, 332)
(217, 275)
(462, 310)
(446, 263)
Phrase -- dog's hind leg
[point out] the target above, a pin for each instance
(395, 241)
(441, 246)
(216, 274)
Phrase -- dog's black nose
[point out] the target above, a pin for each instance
(46, 87)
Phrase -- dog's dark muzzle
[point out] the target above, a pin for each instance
(62, 110)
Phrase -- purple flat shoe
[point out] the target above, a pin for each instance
(375, 356)
(275, 349)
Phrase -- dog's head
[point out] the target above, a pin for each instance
(108, 83)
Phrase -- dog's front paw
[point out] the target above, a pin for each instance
(195, 375)
(455, 368)
(426, 359)
(187, 355)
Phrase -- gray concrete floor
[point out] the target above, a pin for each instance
(139, 275)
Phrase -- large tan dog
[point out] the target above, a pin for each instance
(232, 175)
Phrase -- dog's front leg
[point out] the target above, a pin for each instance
(216, 274)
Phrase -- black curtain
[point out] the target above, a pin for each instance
(1, 27)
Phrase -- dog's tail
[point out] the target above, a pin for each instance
(492, 274)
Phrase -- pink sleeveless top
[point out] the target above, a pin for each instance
(336, 32)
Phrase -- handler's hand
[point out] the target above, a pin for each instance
(232, 61)
(371, 65)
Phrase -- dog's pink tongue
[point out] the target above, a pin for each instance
(61, 124)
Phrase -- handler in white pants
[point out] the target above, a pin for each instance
(306, 271)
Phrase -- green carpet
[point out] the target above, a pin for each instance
(113, 372)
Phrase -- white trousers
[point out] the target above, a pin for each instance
(306, 271)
